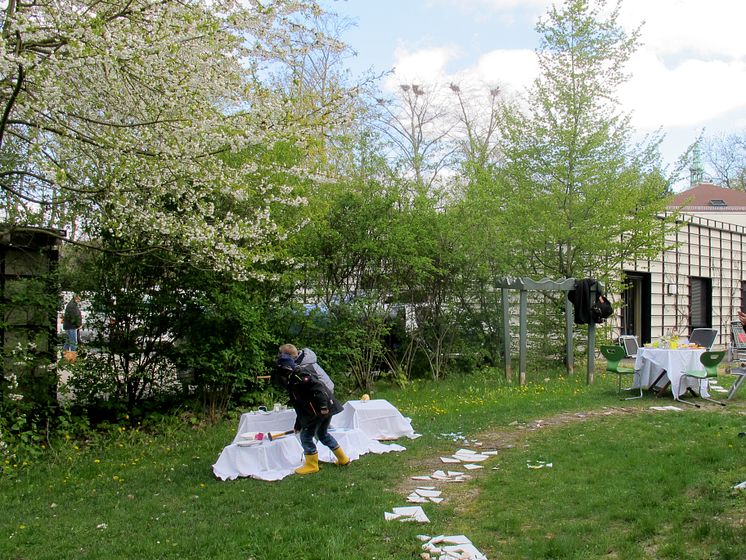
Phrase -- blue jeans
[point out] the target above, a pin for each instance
(72, 340)
(319, 429)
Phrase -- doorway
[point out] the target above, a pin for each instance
(635, 313)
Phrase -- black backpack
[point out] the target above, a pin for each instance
(601, 309)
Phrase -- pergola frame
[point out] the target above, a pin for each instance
(524, 285)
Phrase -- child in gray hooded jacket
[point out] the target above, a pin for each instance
(307, 357)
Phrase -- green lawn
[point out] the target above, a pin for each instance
(630, 484)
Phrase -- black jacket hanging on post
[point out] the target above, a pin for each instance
(587, 310)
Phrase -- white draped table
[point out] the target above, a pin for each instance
(357, 430)
(265, 460)
(378, 418)
(651, 362)
(265, 422)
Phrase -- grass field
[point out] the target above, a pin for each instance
(626, 482)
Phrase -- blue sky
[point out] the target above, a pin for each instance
(688, 76)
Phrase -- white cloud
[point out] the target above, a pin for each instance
(516, 68)
(421, 66)
(689, 94)
(513, 69)
(700, 28)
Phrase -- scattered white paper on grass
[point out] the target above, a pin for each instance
(424, 538)
(456, 546)
(407, 513)
(450, 476)
(428, 493)
(414, 498)
(539, 465)
(450, 460)
(741, 486)
(471, 466)
(469, 456)
(421, 477)
(451, 539)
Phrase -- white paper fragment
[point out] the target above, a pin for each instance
(489, 452)
(457, 546)
(436, 500)
(741, 486)
(407, 513)
(472, 466)
(464, 551)
(539, 465)
(426, 488)
(472, 458)
(450, 539)
(424, 538)
(455, 473)
(675, 408)
(428, 493)
(450, 460)
(423, 477)
(416, 499)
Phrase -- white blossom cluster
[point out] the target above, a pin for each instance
(119, 115)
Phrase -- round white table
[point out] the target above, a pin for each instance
(652, 362)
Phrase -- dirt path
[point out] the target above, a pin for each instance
(509, 436)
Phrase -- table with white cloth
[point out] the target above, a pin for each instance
(274, 460)
(654, 364)
(378, 418)
(265, 460)
(265, 422)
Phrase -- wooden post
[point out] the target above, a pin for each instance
(523, 329)
(568, 336)
(591, 340)
(506, 335)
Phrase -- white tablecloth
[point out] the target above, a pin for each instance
(274, 460)
(354, 443)
(267, 460)
(378, 418)
(265, 422)
(651, 361)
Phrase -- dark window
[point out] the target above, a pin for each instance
(717, 202)
(701, 302)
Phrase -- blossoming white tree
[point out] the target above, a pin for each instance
(116, 115)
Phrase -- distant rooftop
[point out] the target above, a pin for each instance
(706, 197)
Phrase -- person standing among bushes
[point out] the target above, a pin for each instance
(72, 320)
(314, 405)
(307, 357)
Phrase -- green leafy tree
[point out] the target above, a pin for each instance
(579, 197)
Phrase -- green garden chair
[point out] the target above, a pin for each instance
(615, 354)
(709, 361)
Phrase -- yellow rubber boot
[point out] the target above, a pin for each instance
(342, 459)
(311, 466)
